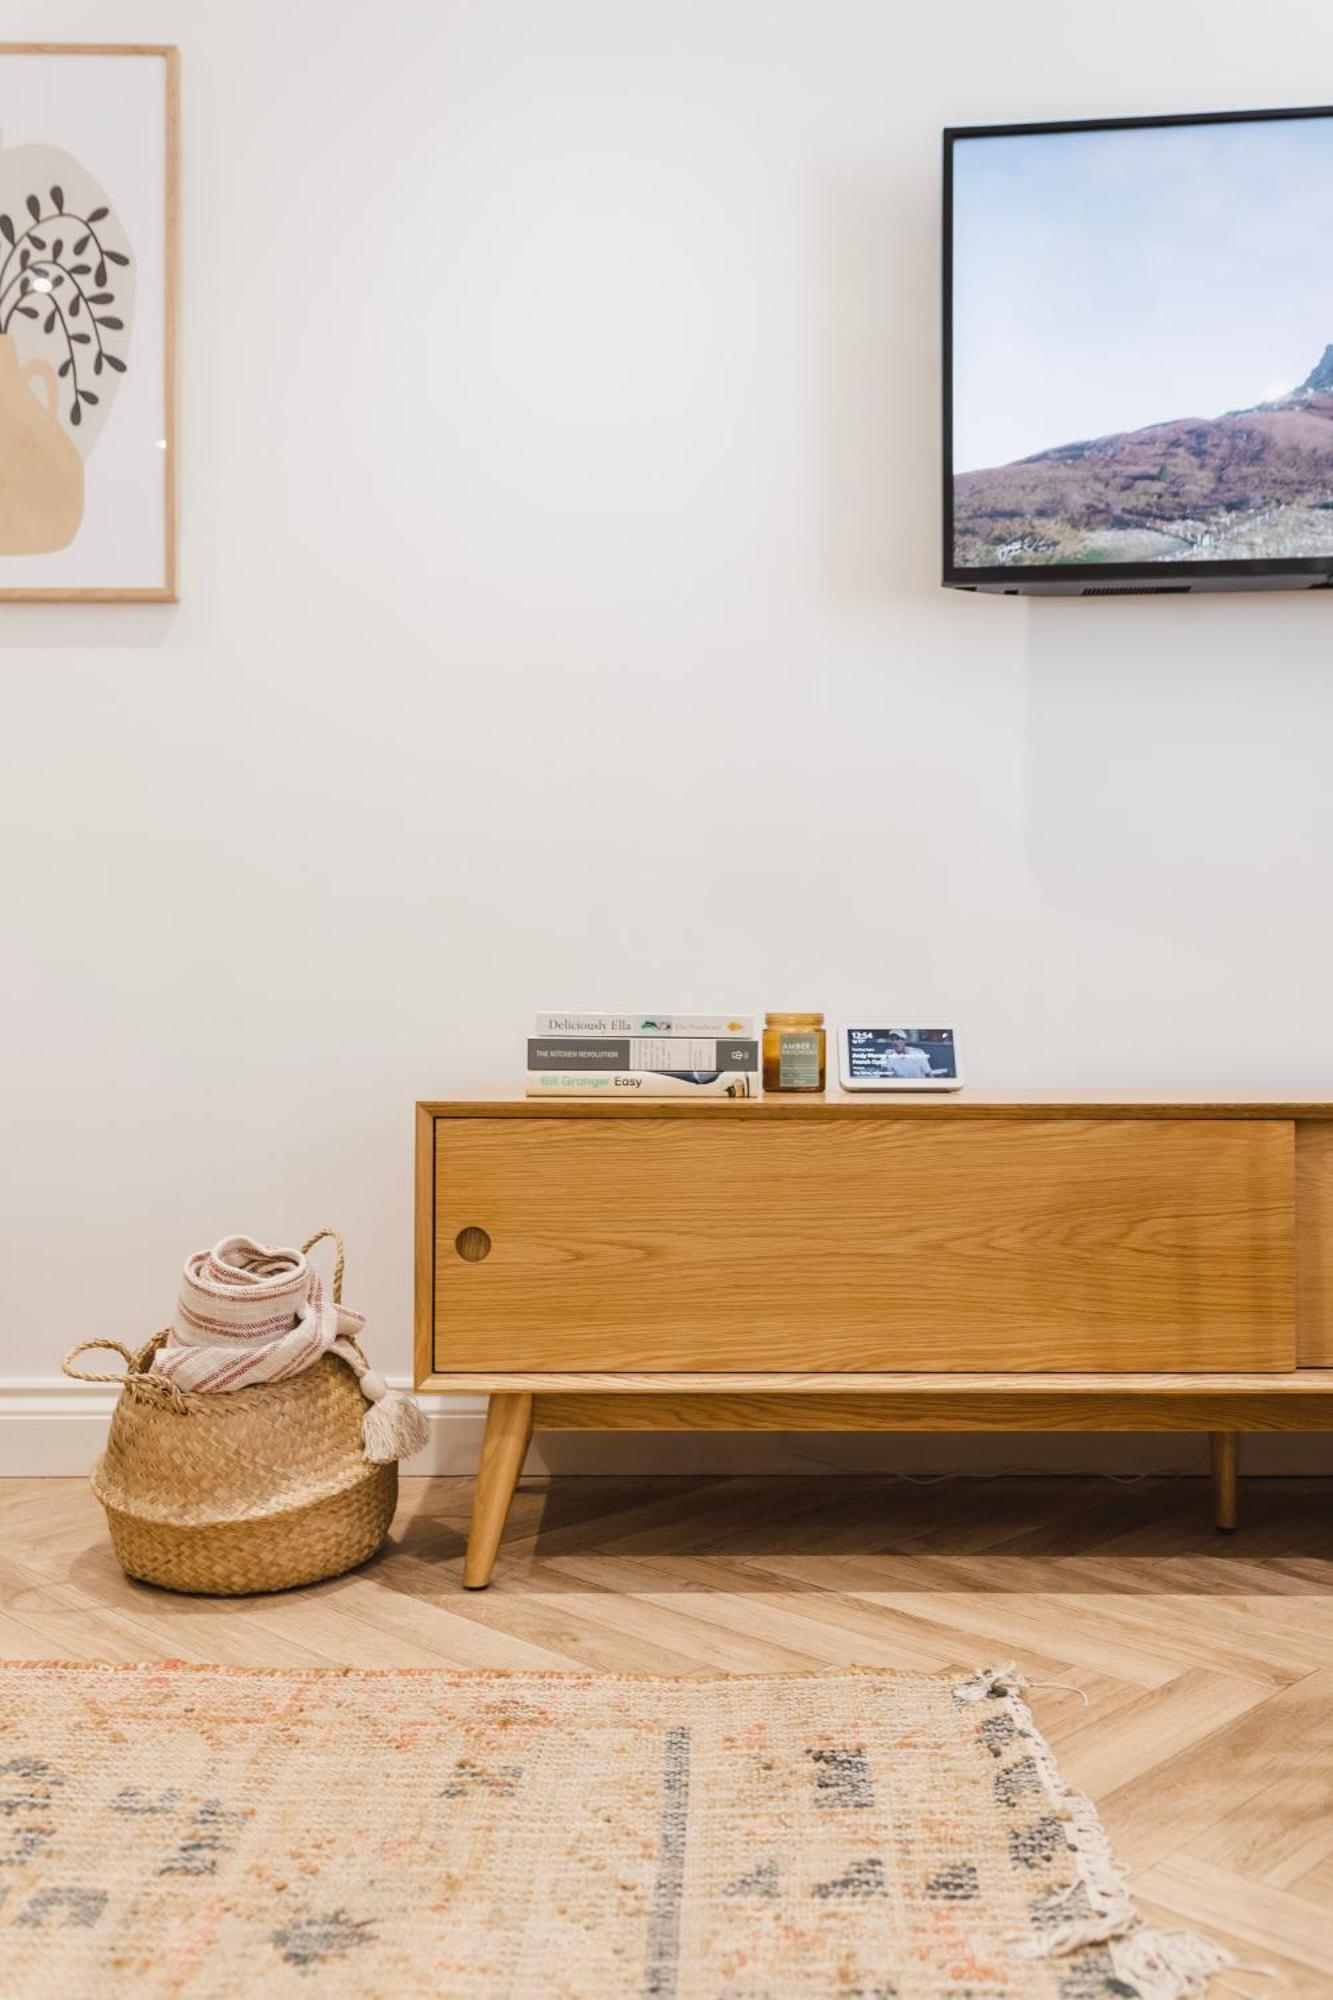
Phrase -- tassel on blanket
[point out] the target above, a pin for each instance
(393, 1426)
(249, 1313)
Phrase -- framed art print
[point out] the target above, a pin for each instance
(88, 152)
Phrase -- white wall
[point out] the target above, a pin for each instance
(560, 626)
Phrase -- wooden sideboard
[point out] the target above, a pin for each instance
(874, 1263)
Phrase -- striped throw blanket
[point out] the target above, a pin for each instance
(247, 1314)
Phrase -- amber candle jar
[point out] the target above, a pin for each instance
(795, 1047)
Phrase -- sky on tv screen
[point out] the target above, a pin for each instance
(1107, 280)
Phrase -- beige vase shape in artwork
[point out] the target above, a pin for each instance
(41, 472)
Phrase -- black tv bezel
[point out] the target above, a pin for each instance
(1072, 578)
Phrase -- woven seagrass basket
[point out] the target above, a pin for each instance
(244, 1490)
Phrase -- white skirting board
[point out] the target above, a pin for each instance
(54, 1427)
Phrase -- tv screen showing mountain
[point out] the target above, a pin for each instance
(1139, 347)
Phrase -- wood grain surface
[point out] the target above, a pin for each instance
(1033, 1244)
(911, 1384)
(423, 1325)
(1314, 1245)
(939, 1409)
(815, 1106)
(503, 1449)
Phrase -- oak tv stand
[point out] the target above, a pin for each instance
(858, 1263)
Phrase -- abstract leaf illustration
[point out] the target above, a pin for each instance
(66, 281)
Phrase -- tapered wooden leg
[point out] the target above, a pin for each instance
(503, 1449)
(1225, 1452)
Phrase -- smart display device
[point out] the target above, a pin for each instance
(899, 1058)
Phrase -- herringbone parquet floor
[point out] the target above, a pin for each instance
(1207, 1662)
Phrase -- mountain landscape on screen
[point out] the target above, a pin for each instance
(1249, 485)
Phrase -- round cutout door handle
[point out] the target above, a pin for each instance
(472, 1244)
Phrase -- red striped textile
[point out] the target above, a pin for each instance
(249, 1313)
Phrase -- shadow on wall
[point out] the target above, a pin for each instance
(94, 628)
(874, 290)
(1178, 771)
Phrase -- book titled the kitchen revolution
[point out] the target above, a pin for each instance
(643, 1052)
(645, 1024)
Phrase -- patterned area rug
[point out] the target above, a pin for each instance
(214, 1832)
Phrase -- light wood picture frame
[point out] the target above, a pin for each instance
(89, 254)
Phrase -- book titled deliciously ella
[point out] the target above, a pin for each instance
(645, 1024)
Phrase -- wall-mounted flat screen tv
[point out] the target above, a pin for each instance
(1138, 354)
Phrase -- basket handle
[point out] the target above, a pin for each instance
(136, 1363)
(85, 1374)
(339, 1262)
(136, 1377)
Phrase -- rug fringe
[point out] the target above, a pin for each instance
(1169, 1965)
(990, 1681)
(1160, 1965)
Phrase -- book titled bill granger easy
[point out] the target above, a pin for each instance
(646, 1024)
(643, 1083)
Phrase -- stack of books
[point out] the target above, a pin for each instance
(645, 1055)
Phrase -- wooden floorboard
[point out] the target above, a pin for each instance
(1185, 1680)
